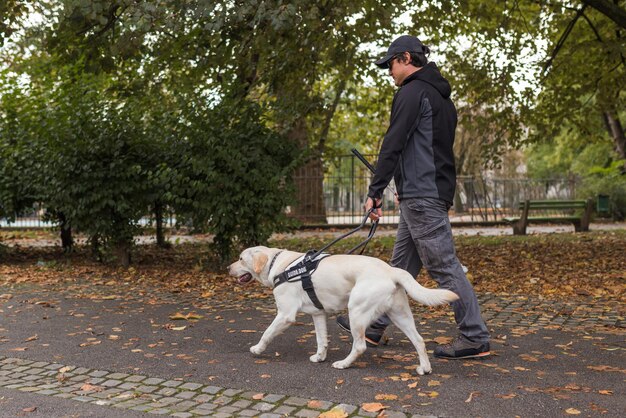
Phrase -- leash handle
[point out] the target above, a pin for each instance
(364, 161)
(362, 245)
(370, 167)
(363, 222)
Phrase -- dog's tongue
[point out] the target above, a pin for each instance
(245, 278)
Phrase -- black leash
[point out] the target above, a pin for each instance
(363, 244)
(303, 270)
(347, 234)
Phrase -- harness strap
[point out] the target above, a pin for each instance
(302, 271)
(273, 261)
(307, 285)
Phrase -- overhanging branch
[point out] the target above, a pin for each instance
(609, 9)
(563, 38)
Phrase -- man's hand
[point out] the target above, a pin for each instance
(376, 213)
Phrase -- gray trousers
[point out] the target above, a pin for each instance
(424, 238)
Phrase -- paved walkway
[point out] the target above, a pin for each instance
(114, 351)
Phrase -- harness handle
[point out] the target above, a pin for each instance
(367, 240)
(369, 237)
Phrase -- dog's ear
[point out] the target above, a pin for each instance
(259, 261)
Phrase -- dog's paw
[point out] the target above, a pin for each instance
(342, 364)
(318, 358)
(257, 349)
(422, 370)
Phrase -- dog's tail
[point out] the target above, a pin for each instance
(421, 294)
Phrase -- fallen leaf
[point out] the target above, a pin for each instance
(336, 412)
(90, 388)
(90, 343)
(33, 338)
(598, 408)
(373, 407)
(412, 385)
(572, 411)
(606, 369)
(180, 316)
(31, 409)
(315, 404)
(434, 383)
(258, 396)
(385, 397)
(442, 340)
(509, 396)
(605, 392)
(471, 396)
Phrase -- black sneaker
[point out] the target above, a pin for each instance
(462, 348)
(373, 336)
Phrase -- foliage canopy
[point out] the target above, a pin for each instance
(208, 107)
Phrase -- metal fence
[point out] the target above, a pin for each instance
(36, 219)
(477, 200)
(345, 183)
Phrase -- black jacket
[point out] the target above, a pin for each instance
(417, 149)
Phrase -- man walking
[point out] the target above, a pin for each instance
(417, 153)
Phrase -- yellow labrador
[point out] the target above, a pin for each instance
(367, 286)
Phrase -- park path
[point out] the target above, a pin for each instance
(104, 350)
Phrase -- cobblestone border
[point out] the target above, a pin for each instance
(535, 312)
(158, 396)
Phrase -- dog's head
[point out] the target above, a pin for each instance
(251, 265)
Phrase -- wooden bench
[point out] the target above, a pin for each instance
(577, 212)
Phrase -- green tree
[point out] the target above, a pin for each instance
(19, 171)
(532, 64)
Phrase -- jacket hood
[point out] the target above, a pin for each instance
(431, 75)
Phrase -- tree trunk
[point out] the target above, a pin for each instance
(616, 130)
(122, 253)
(96, 252)
(308, 180)
(67, 241)
(158, 214)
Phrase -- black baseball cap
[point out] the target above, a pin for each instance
(405, 43)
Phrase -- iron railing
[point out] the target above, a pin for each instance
(477, 199)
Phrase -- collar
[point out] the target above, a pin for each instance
(272, 265)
